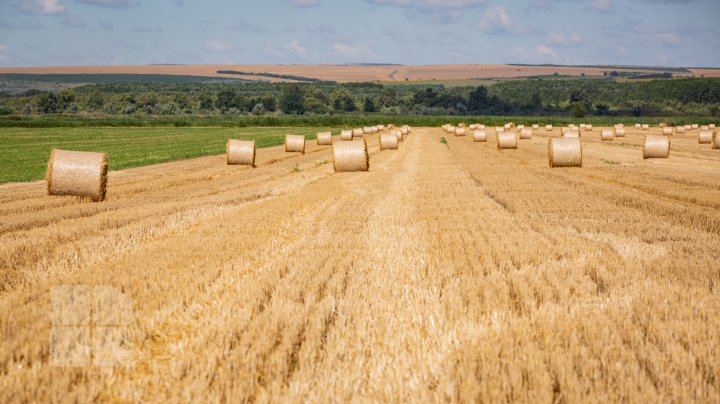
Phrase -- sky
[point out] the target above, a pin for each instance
(136, 32)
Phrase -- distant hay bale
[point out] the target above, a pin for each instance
(367, 130)
(460, 132)
(381, 127)
(526, 133)
(607, 135)
(565, 152)
(716, 140)
(521, 127)
(347, 135)
(358, 132)
(461, 125)
(410, 129)
(472, 126)
(479, 126)
(638, 126)
(391, 126)
(667, 131)
(351, 156)
(388, 141)
(398, 135)
(78, 174)
(712, 126)
(695, 126)
(324, 138)
(705, 137)
(620, 132)
(508, 126)
(680, 130)
(619, 125)
(705, 127)
(507, 140)
(480, 136)
(295, 144)
(582, 126)
(444, 127)
(374, 129)
(688, 127)
(571, 133)
(451, 129)
(405, 130)
(588, 128)
(549, 128)
(536, 126)
(656, 146)
(662, 125)
(499, 129)
(240, 152)
(645, 127)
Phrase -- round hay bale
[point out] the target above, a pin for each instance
(451, 129)
(619, 125)
(374, 129)
(409, 128)
(680, 130)
(346, 135)
(472, 126)
(536, 126)
(479, 127)
(295, 144)
(705, 137)
(367, 130)
(388, 141)
(620, 132)
(351, 156)
(461, 125)
(78, 174)
(499, 129)
(398, 135)
(358, 132)
(688, 127)
(391, 126)
(667, 131)
(704, 127)
(712, 126)
(460, 132)
(381, 127)
(526, 133)
(405, 130)
(565, 152)
(662, 125)
(480, 136)
(507, 140)
(324, 138)
(716, 140)
(582, 126)
(508, 126)
(656, 146)
(607, 135)
(638, 126)
(444, 127)
(588, 128)
(240, 152)
(645, 127)
(549, 128)
(571, 133)
(695, 126)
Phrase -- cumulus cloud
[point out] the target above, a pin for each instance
(218, 46)
(603, 6)
(349, 52)
(47, 7)
(439, 11)
(304, 3)
(668, 39)
(497, 21)
(545, 50)
(562, 40)
(111, 3)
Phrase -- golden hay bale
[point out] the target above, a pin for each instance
(388, 141)
(358, 132)
(480, 136)
(571, 133)
(645, 127)
(688, 127)
(549, 128)
(444, 127)
(588, 128)
(704, 127)
(472, 126)
(451, 129)
(461, 125)
(508, 126)
(526, 133)
(620, 132)
(460, 132)
(662, 125)
(77, 173)
(391, 126)
(705, 137)
(680, 130)
(712, 126)
(240, 152)
(398, 135)
(479, 126)
(536, 126)
(507, 140)
(405, 130)
(295, 144)
(619, 125)
(381, 127)
(499, 129)
(716, 140)
(374, 129)
(351, 156)
(667, 131)
(521, 127)
(638, 126)
(409, 129)
(582, 126)
(695, 126)
(347, 135)
(565, 152)
(656, 146)
(607, 135)
(324, 138)
(367, 130)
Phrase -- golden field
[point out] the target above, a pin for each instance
(452, 271)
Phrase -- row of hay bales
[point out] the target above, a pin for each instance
(567, 151)
(84, 174)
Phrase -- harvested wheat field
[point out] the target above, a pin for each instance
(451, 271)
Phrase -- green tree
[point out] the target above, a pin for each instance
(47, 103)
(369, 105)
(578, 110)
(292, 100)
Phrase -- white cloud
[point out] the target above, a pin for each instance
(557, 39)
(439, 11)
(546, 51)
(497, 21)
(603, 6)
(48, 7)
(111, 3)
(668, 39)
(218, 46)
(304, 3)
(295, 48)
(351, 53)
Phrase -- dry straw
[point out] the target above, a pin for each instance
(374, 129)
(460, 132)
(705, 127)
(472, 126)
(367, 130)
(667, 131)
(588, 128)
(461, 125)
(391, 126)
(451, 129)
(358, 132)
(405, 130)
(645, 127)
(620, 132)
(712, 126)
(347, 135)
(680, 130)
(638, 126)
(705, 137)
(351, 156)
(565, 152)
(388, 141)
(381, 127)
(499, 129)
(656, 146)
(607, 135)
(480, 127)
(526, 133)
(240, 152)
(398, 135)
(695, 126)
(688, 127)
(507, 140)
(77, 173)
(571, 133)
(536, 126)
(324, 138)
(549, 128)
(508, 126)
(521, 127)
(480, 136)
(295, 144)
(716, 140)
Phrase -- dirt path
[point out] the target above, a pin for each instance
(448, 272)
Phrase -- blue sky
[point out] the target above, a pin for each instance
(106, 32)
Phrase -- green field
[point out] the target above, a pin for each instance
(24, 151)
